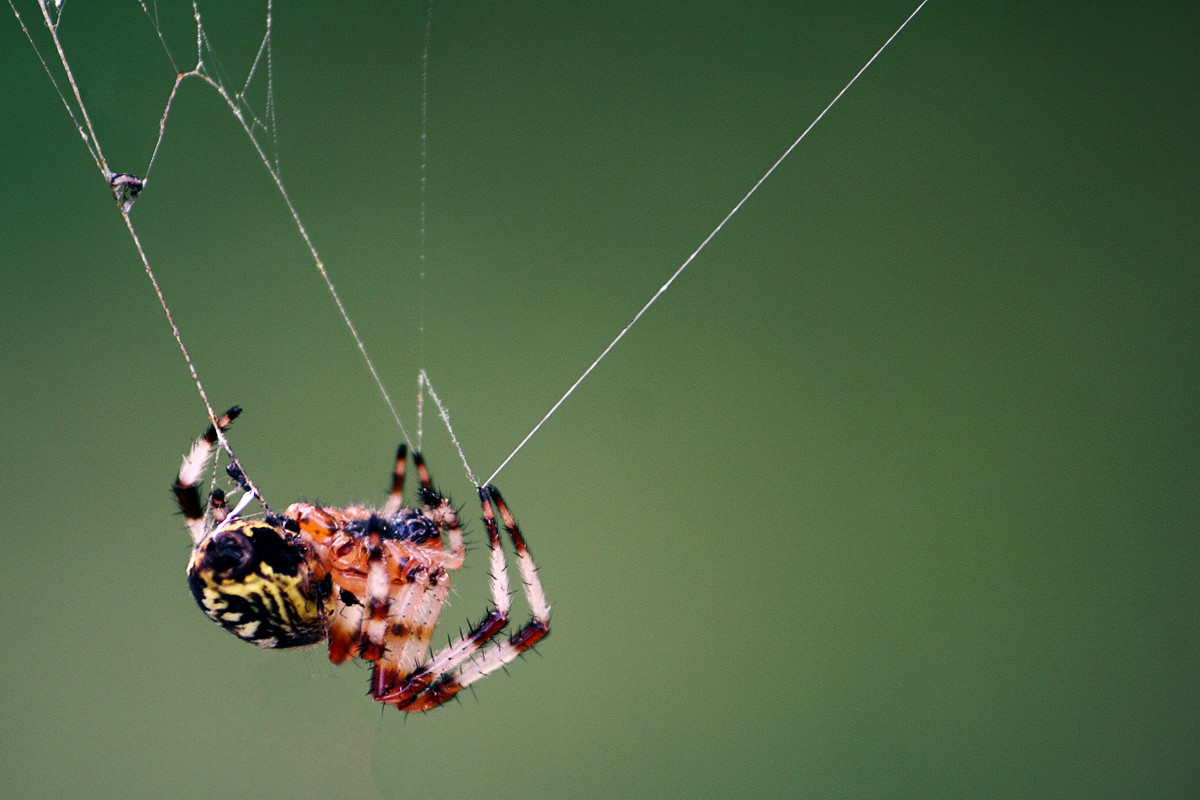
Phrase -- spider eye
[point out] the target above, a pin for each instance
(257, 583)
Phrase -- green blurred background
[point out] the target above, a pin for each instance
(893, 494)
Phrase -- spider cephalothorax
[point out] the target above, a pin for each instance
(371, 581)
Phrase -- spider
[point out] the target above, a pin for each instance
(372, 582)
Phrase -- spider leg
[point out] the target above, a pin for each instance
(454, 667)
(419, 586)
(436, 507)
(217, 506)
(186, 486)
(422, 471)
(379, 601)
(395, 499)
(345, 629)
(479, 635)
(386, 608)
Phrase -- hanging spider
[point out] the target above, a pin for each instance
(372, 582)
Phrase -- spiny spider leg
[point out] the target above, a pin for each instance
(479, 635)
(379, 599)
(417, 587)
(186, 487)
(218, 506)
(395, 499)
(445, 518)
(533, 631)
(437, 682)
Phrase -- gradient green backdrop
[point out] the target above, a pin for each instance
(893, 495)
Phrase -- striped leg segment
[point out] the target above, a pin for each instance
(186, 487)
(395, 499)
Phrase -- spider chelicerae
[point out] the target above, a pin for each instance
(371, 581)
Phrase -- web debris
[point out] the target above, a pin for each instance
(125, 188)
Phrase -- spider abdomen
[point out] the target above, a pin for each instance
(254, 581)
